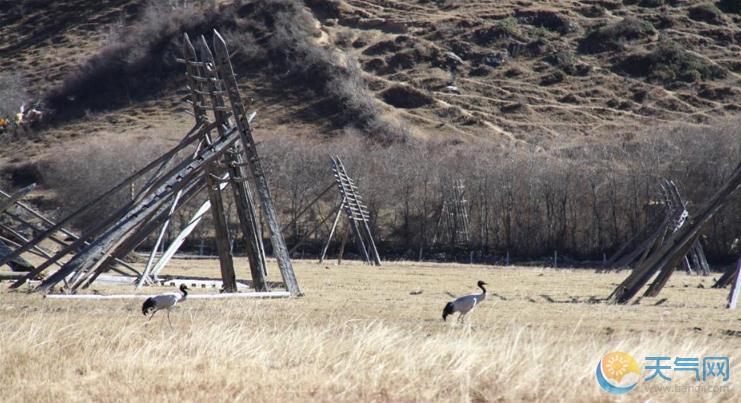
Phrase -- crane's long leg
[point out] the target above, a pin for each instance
(168, 318)
(152, 315)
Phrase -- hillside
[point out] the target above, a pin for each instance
(561, 120)
(541, 74)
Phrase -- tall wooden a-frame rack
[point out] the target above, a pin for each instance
(356, 213)
(662, 261)
(452, 225)
(228, 155)
(653, 236)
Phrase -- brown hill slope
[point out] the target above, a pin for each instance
(539, 74)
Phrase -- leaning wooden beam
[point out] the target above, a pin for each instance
(244, 201)
(314, 230)
(726, 278)
(96, 229)
(194, 135)
(129, 241)
(675, 248)
(150, 260)
(18, 264)
(38, 251)
(307, 207)
(11, 200)
(110, 239)
(180, 238)
(221, 232)
(36, 229)
(224, 67)
(272, 294)
(331, 232)
(736, 288)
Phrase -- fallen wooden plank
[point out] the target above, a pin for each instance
(271, 294)
(197, 283)
(11, 276)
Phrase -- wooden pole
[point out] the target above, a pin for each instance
(221, 233)
(331, 232)
(675, 248)
(93, 230)
(150, 261)
(341, 253)
(249, 149)
(244, 200)
(13, 199)
(736, 288)
(176, 180)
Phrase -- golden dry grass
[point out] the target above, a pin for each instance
(358, 334)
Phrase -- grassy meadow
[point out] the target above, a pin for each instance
(364, 333)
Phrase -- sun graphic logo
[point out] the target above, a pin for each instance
(618, 373)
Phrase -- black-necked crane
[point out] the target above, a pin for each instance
(164, 301)
(464, 305)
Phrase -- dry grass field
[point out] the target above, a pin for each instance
(360, 334)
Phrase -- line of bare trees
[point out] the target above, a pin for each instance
(582, 201)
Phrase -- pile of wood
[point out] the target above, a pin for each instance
(664, 259)
(220, 150)
(635, 251)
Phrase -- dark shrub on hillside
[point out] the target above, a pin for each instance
(706, 12)
(730, 6)
(136, 67)
(548, 19)
(568, 63)
(668, 63)
(612, 36)
(652, 3)
(404, 96)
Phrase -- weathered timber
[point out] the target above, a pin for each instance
(736, 288)
(133, 218)
(243, 198)
(129, 241)
(195, 133)
(331, 232)
(225, 70)
(272, 294)
(728, 276)
(17, 264)
(675, 248)
(226, 262)
(356, 211)
(11, 200)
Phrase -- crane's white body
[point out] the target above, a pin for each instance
(466, 304)
(164, 301)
